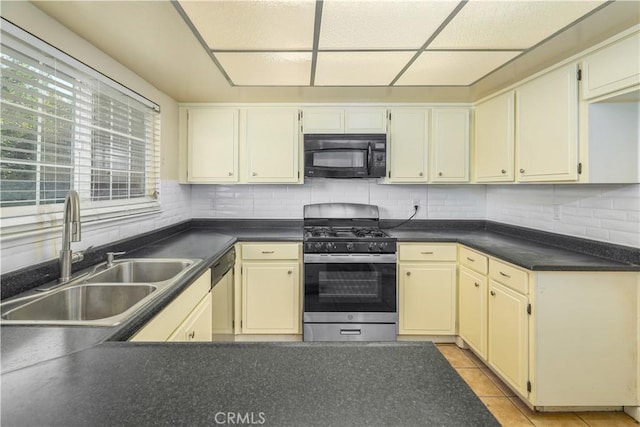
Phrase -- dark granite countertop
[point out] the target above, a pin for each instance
(275, 384)
(83, 376)
(524, 253)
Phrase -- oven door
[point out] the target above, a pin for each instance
(337, 163)
(361, 287)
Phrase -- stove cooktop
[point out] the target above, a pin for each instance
(347, 240)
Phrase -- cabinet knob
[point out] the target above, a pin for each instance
(505, 275)
(439, 173)
(521, 170)
(192, 334)
(254, 174)
(230, 173)
(492, 293)
(476, 284)
(408, 273)
(420, 174)
(290, 272)
(503, 171)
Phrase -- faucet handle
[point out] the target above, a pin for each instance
(112, 255)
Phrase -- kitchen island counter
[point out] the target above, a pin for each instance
(283, 384)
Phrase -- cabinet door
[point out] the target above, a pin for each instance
(427, 295)
(612, 68)
(323, 120)
(222, 302)
(272, 145)
(408, 150)
(508, 335)
(546, 127)
(450, 145)
(472, 310)
(494, 139)
(196, 327)
(212, 145)
(366, 120)
(270, 298)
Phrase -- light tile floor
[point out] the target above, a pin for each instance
(508, 409)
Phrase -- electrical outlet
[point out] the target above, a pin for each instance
(556, 212)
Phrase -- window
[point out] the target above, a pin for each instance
(65, 126)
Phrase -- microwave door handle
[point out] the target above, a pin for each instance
(369, 160)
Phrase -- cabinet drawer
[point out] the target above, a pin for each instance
(510, 276)
(427, 252)
(270, 251)
(474, 260)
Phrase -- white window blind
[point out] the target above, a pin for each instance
(65, 126)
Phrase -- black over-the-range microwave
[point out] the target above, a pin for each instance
(345, 155)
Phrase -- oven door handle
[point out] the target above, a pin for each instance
(350, 259)
(369, 160)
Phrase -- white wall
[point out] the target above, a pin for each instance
(286, 201)
(175, 199)
(609, 213)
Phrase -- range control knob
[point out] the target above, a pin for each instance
(372, 247)
(330, 247)
(319, 245)
(350, 246)
(382, 245)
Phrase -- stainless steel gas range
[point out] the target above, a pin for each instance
(349, 275)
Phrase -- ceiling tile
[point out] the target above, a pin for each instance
(380, 24)
(359, 68)
(253, 24)
(452, 68)
(487, 24)
(267, 69)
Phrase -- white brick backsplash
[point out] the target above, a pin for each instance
(607, 213)
(175, 201)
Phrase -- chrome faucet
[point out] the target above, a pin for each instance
(70, 233)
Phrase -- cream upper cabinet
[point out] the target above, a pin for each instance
(509, 335)
(272, 139)
(344, 120)
(613, 67)
(494, 139)
(212, 139)
(547, 127)
(450, 144)
(365, 120)
(323, 120)
(408, 145)
(427, 289)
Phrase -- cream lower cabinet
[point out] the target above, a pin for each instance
(187, 316)
(557, 338)
(270, 282)
(426, 289)
(196, 327)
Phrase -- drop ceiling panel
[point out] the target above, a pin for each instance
(246, 25)
(267, 68)
(452, 68)
(359, 68)
(380, 24)
(509, 24)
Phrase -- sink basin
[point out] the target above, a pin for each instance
(82, 302)
(140, 270)
(105, 296)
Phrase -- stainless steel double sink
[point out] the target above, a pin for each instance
(105, 296)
